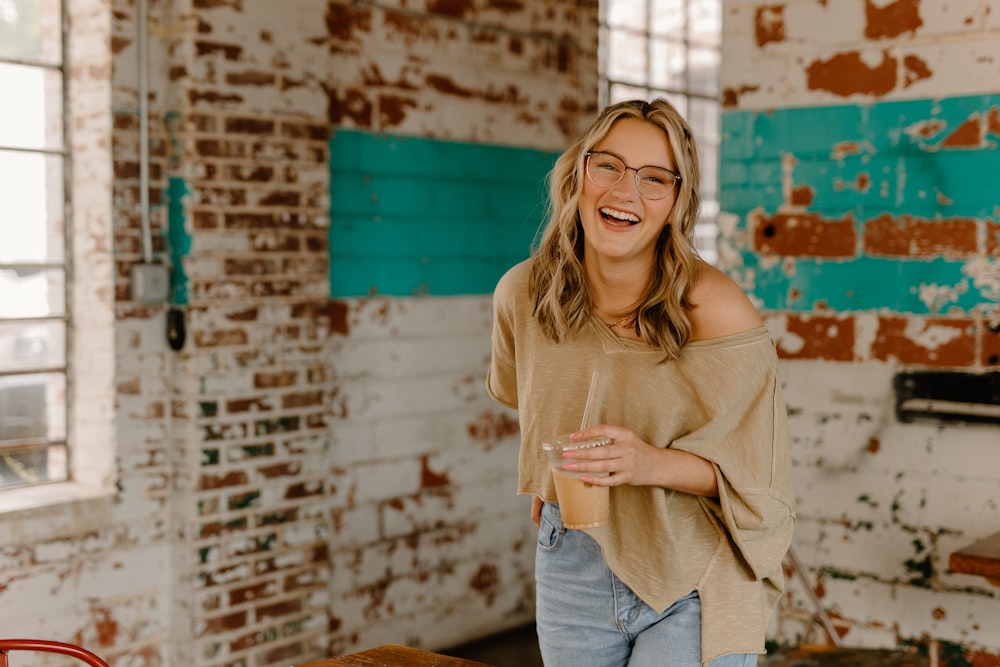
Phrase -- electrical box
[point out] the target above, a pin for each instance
(150, 283)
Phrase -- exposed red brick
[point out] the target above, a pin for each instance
(967, 135)
(846, 74)
(275, 379)
(805, 235)
(225, 623)
(249, 267)
(204, 220)
(303, 399)
(392, 109)
(993, 121)
(209, 482)
(228, 51)
(303, 490)
(906, 236)
(830, 338)
(106, 626)
(280, 470)
(492, 426)
(251, 78)
(429, 478)
(252, 592)
(453, 8)
(343, 20)
(993, 238)
(486, 580)
(916, 70)
(769, 24)
(244, 125)
(892, 19)
(241, 405)
(212, 97)
(243, 315)
(338, 317)
(283, 654)
(802, 195)
(278, 609)
(926, 341)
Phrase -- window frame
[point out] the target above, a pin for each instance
(707, 229)
(62, 153)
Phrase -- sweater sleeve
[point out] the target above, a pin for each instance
(743, 433)
(501, 378)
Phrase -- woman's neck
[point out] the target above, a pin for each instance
(616, 287)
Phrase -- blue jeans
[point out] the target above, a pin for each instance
(586, 617)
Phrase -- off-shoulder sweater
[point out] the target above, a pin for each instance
(721, 400)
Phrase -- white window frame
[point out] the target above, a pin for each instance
(91, 439)
(651, 28)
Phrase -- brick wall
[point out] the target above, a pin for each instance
(860, 213)
(308, 475)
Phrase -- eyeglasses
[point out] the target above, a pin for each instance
(606, 170)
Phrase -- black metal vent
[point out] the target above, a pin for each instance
(948, 396)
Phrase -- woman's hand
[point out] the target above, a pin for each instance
(536, 511)
(630, 460)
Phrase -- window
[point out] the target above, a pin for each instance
(671, 49)
(33, 216)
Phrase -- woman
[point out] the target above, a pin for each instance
(688, 569)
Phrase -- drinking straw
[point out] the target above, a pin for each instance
(590, 401)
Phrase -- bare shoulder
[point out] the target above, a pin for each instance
(720, 307)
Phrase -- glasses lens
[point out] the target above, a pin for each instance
(605, 170)
(654, 182)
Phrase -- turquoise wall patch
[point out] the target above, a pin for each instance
(179, 240)
(412, 216)
(930, 159)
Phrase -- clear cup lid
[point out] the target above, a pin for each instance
(562, 443)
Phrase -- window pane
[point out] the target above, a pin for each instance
(36, 120)
(667, 68)
(705, 22)
(668, 18)
(703, 117)
(32, 345)
(30, 30)
(627, 14)
(703, 71)
(626, 56)
(32, 429)
(621, 92)
(32, 409)
(31, 218)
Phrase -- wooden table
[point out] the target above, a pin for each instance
(394, 655)
(982, 558)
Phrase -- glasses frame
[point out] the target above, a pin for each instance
(638, 188)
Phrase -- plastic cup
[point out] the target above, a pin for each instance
(581, 505)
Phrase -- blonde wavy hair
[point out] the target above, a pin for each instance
(558, 284)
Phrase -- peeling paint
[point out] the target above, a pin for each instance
(848, 73)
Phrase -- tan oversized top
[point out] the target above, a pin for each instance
(721, 399)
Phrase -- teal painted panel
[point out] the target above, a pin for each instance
(864, 162)
(413, 216)
(178, 239)
(866, 283)
(910, 173)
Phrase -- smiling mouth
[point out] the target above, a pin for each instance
(619, 218)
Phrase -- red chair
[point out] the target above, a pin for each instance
(77, 652)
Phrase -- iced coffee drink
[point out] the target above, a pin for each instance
(581, 505)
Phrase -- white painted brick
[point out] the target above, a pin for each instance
(387, 479)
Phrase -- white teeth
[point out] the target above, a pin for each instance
(620, 215)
